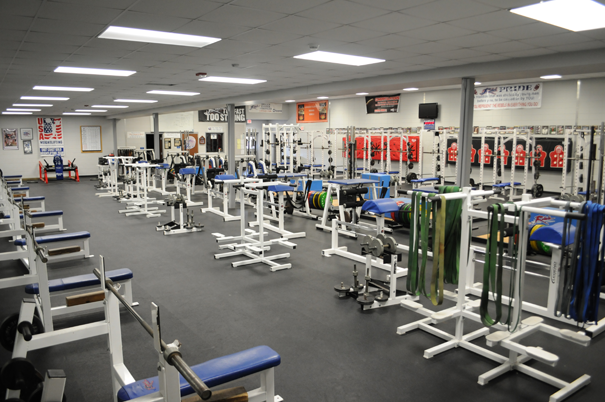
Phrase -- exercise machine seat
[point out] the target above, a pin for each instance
(278, 188)
(42, 214)
(19, 188)
(37, 198)
(506, 184)
(554, 234)
(384, 205)
(80, 281)
(225, 177)
(425, 180)
(187, 171)
(13, 182)
(353, 182)
(163, 166)
(213, 372)
(55, 238)
(15, 176)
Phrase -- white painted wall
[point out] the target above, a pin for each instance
(15, 162)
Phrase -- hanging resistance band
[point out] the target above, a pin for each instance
(567, 266)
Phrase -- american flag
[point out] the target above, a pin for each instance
(48, 130)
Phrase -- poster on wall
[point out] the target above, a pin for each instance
(220, 115)
(27, 134)
(266, 108)
(312, 112)
(9, 139)
(520, 96)
(50, 136)
(27, 147)
(382, 104)
(167, 143)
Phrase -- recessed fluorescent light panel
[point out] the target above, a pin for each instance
(230, 80)
(32, 104)
(323, 97)
(290, 101)
(574, 15)
(180, 93)
(91, 110)
(551, 77)
(23, 110)
(361, 93)
(135, 100)
(16, 112)
(477, 83)
(76, 114)
(73, 89)
(48, 98)
(94, 71)
(339, 58)
(410, 89)
(111, 106)
(164, 38)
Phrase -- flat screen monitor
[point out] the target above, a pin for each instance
(428, 111)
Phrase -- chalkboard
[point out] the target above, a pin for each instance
(91, 139)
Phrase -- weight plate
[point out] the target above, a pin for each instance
(8, 330)
(376, 247)
(390, 244)
(36, 396)
(316, 200)
(20, 373)
(382, 297)
(365, 299)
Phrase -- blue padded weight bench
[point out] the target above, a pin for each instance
(383, 206)
(215, 372)
(278, 210)
(14, 178)
(507, 186)
(36, 204)
(48, 227)
(13, 183)
(20, 190)
(418, 182)
(63, 239)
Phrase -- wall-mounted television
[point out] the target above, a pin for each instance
(428, 111)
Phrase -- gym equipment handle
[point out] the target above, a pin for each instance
(175, 359)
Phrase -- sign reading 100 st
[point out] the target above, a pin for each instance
(220, 115)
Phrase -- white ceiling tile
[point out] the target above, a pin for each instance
(347, 33)
(392, 5)
(109, 52)
(213, 29)
(507, 4)
(533, 30)
(41, 47)
(235, 45)
(8, 21)
(72, 28)
(391, 42)
(114, 44)
(594, 34)
(53, 38)
(485, 59)
(12, 35)
(449, 10)
(492, 21)
(557, 40)
(156, 22)
(25, 8)
(428, 48)
(79, 12)
(391, 54)
(394, 22)
(244, 16)
(190, 9)
(8, 45)
(473, 40)
(461, 54)
(280, 6)
(343, 12)
(437, 32)
(424, 59)
(119, 4)
(530, 53)
(505, 47)
(574, 47)
(265, 37)
(300, 25)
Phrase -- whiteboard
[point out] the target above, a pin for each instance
(91, 139)
(176, 121)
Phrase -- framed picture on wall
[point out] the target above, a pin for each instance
(27, 147)
(177, 142)
(167, 143)
(27, 134)
(9, 139)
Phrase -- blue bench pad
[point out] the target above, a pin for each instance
(15, 176)
(353, 182)
(42, 214)
(384, 205)
(19, 188)
(213, 372)
(279, 188)
(506, 184)
(225, 177)
(13, 182)
(187, 171)
(554, 234)
(425, 180)
(38, 198)
(55, 238)
(80, 281)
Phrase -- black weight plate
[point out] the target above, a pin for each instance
(19, 373)
(36, 396)
(8, 330)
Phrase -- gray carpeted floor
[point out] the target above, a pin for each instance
(331, 351)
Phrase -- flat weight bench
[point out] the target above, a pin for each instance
(215, 372)
(69, 252)
(14, 178)
(48, 227)
(20, 190)
(68, 287)
(504, 185)
(35, 204)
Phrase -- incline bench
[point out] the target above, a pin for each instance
(261, 359)
(65, 253)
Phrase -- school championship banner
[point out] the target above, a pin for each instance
(521, 96)
(220, 115)
(549, 152)
(382, 104)
(50, 136)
